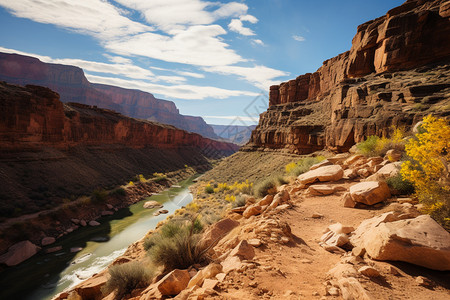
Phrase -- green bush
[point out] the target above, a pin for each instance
(398, 183)
(268, 185)
(209, 189)
(125, 278)
(176, 245)
(99, 196)
(368, 147)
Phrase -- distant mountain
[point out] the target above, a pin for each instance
(234, 133)
(73, 86)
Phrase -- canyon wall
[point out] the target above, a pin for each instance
(72, 85)
(396, 71)
(50, 150)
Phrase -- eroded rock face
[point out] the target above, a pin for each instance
(383, 81)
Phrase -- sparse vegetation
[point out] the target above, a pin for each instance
(126, 277)
(302, 166)
(376, 146)
(118, 192)
(401, 185)
(209, 189)
(269, 185)
(427, 167)
(99, 196)
(176, 245)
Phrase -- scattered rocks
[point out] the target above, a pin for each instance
(53, 249)
(18, 253)
(107, 213)
(369, 271)
(231, 263)
(208, 272)
(320, 190)
(243, 250)
(173, 283)
(317, 216)
(75, 221)
(75, 249)
(255, 242)
(163, 211)
(425, 282)
(83, 223)
(47, 241)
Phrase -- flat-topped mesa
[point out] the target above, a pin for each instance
(396, 72)
(411, 35)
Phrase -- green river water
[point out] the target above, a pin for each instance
(45, 275)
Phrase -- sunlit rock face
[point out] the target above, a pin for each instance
(396, 72)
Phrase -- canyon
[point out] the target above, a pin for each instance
(396, 72)
(52, 150)
(72, 86)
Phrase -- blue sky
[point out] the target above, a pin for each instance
(214, 59)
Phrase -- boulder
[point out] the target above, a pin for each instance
(163, 211)
(90, 289)
(369, 271)
(174, 282)
(386, 171)
(393, 155)
(352, 159)
(339, 228)
(420, 241)
(370, 192)
(83, 223)
(323, 163)
(326, 173)
(252, 210)
(18, 253)
(320, 190)
(48, 241)
(152, 204)
(243, 250)
(266, 200)
(348, 201)
(217, 231)
(231, 263)
(93, 223)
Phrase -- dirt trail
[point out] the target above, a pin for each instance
(299, 269)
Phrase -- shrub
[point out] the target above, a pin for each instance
(269, 186)
(180, 250)
(126, 277)
(398, 183)
(240, 201)
(99, 196)
(119, 192)
(157, 177)
(368, 147)
(209, 189)
(427, 168)
(303, 165)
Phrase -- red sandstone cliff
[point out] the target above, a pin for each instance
(381, 81)
(51, 150)
(72, 85)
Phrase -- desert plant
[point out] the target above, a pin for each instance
(180, 250)
(240, 201)
(368, 147)
(427, 167)
(119, 192)
(303, 165)
(269, 185)
(376, 146)
(99, 196)
(401, 185)
(126, 277)
(209, 189)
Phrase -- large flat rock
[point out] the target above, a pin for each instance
(325, 173)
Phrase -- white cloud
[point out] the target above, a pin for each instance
(258, 42)
(237, 26)
(118, 59)
(94, 17)
(187, 92)
(232, 9)
(190, 74)
(249, 18)
(260, 76)
(198, 45)
(298, 38)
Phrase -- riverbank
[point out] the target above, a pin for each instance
(45, 275)
(44, 228)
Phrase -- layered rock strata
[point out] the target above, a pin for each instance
(396, 72)
(72, 85)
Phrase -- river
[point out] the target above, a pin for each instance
(45, 275)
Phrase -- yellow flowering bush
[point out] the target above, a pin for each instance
(427, 167)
